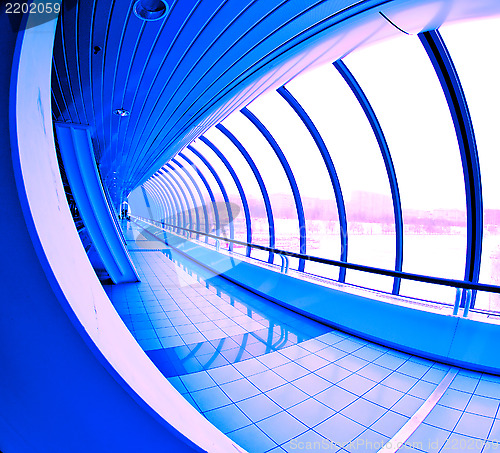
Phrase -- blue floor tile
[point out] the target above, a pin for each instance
(464, 383)
(312, 384)
(351, 363)
(472, 425)
(367, 441)
(333, 373)
(311, 412)
(340, 429)
(287, 395)
(383, 396)
(428, 438)
(481, 405)
(443, 417)
(407, 405)
(399, 382)
(422, 389)
(488, 388)
(267, 380)
(312, 362)
(252, 439)
(197, 381)
(455, 399)
(389, 424)
(210, 398)
(224, 374)
(336, 398)
(228, 418)
(364, 412)
(240, 389)
(309, 441)
(281, 427)
(290, 371)
(457, 442)
(356, 384)
(259, 407)
(389, 361)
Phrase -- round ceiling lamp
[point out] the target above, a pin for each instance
(150, 9)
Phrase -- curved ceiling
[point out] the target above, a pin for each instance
(177, 76)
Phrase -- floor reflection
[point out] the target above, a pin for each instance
(189, 319)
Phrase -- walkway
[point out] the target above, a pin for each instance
(275, 381)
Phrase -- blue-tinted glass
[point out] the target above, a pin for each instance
(207, 204)
(236, 206)
(473, 47)
(260, 224)
(400, 82)
(360, 168)
(318, 198)
(280, 193)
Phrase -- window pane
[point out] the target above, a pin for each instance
(473, 47)
(173, 178)
(206, 202)
(358, 161)
(400, 82)
(282, 204)
(184, 181)
(237, 211)
(260, 224)
(307, 165)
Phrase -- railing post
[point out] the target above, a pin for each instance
(458, 296)
(284, 264)
(468, 298)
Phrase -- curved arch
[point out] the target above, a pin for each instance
(164, 203)
(183, 206)
(156, 211)
(175, 215)
(291, 179)
(455, 97)
(171, 172)
(202, 198)
(166, 199)
(260, 181)
(241, 191)
(174, 183)
(169, 177)
(389, 165)
(174, 197)
(222, 189)
(209, 190)
(302, 114)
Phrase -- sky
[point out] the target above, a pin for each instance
(399, 81)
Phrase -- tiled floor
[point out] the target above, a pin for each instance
(276, 381)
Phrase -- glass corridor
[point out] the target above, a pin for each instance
(384, 159)
(275, 381)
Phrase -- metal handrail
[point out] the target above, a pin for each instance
(358, 267)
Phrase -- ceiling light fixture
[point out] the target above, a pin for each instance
(121, 112)
(150, 9)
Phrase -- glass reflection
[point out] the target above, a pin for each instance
(479, 71)
(184, 328)
(406, 95)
